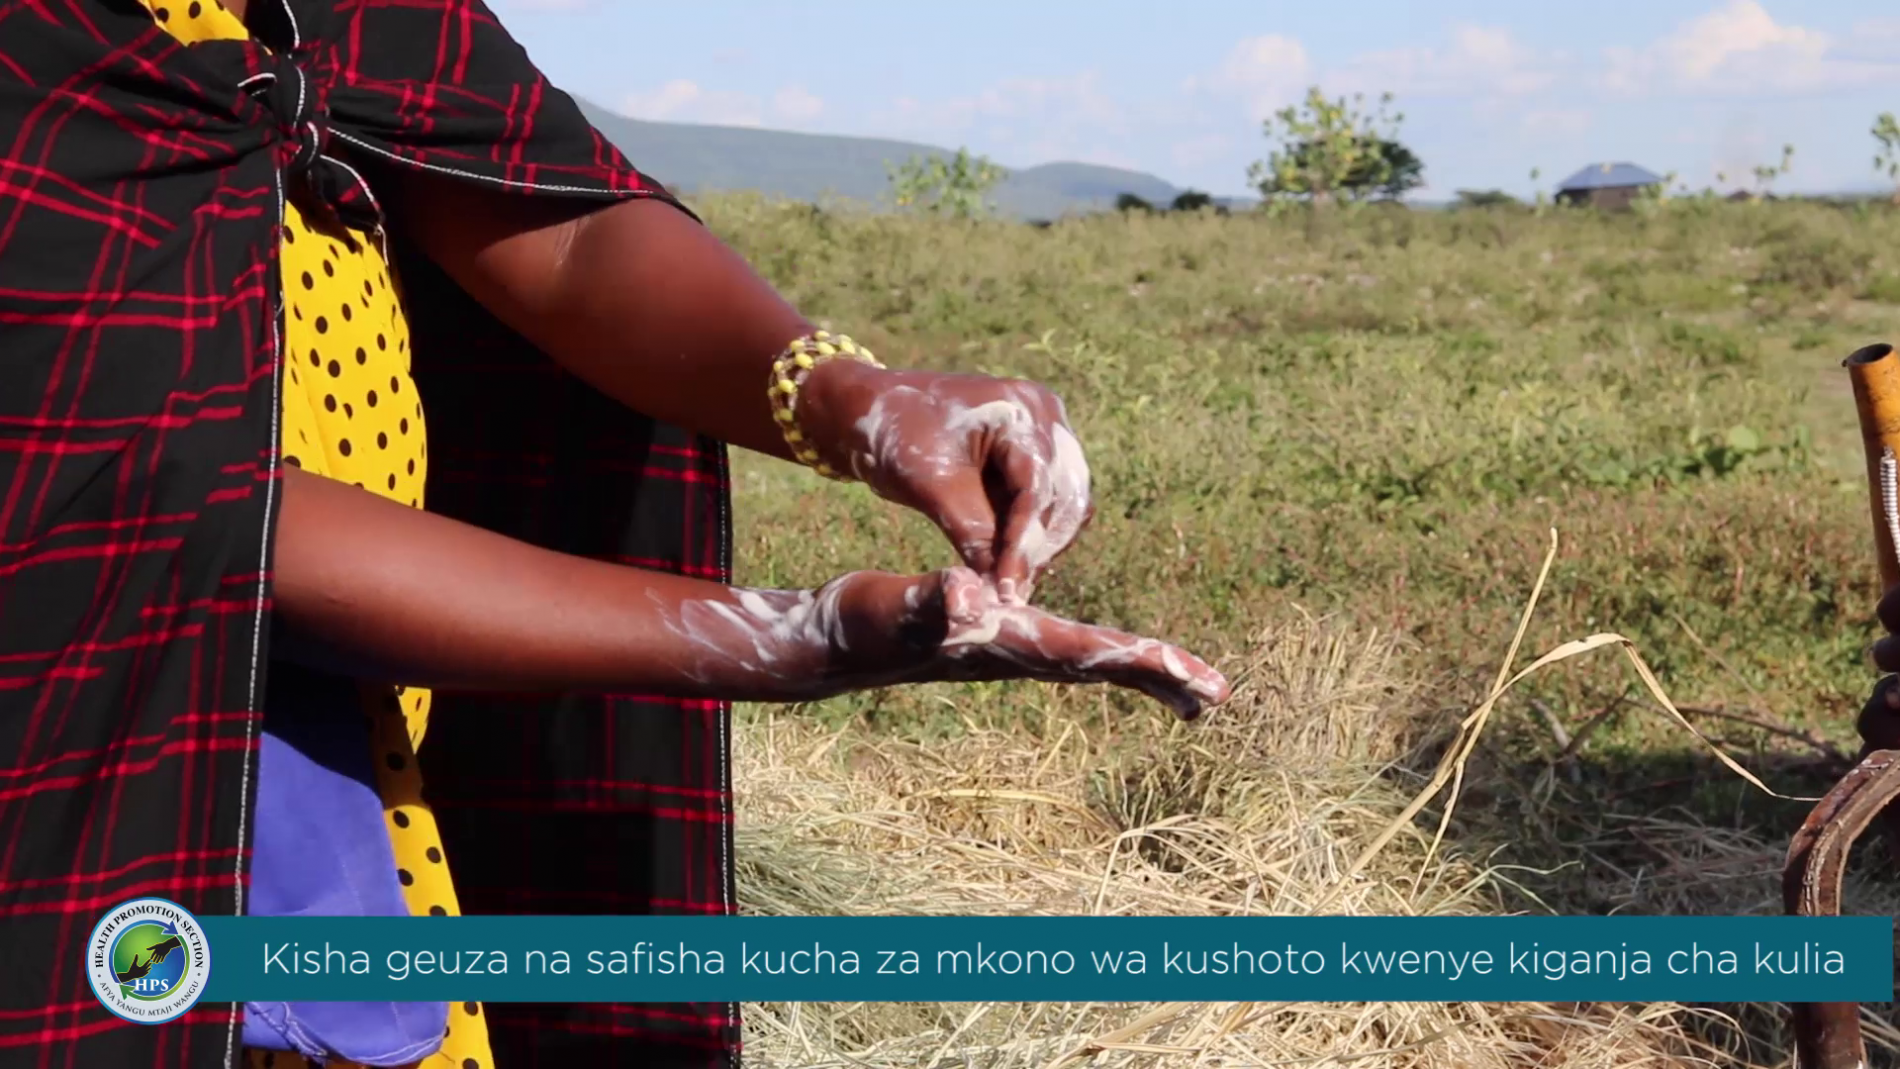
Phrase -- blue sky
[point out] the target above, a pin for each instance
(1489, 89)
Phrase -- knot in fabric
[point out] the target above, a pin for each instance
(295, 105)
(290, 89)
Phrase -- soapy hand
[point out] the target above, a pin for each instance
(993, 462)
(954, 625)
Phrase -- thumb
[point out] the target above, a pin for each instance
(962, 511)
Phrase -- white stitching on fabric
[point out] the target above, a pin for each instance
(729, 811)
(725, 553)
(303, 86)
(473, 177)
(231, 1051)
(257, 633)
(361, 184)
(296, 32)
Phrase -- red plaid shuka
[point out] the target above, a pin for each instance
(140, 307)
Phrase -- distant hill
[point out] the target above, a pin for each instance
(694, 158)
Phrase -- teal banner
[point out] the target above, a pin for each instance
(966, 959)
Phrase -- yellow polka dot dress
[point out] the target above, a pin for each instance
(351, 413)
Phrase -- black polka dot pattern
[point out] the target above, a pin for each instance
(343, 328)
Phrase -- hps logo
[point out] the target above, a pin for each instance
(148, 961)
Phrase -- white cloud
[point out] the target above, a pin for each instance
(1026, 120)
(1266, 72)
(1557, 122)
(795, 102)
(684, 100)
(1478, 61)
(1484, 64)
(1739, 49)
(1464, 85)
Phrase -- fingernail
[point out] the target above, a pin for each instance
(1006, 590)
(1208, 689)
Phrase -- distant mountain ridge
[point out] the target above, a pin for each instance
(694, 158)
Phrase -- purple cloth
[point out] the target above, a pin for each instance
(321, 849)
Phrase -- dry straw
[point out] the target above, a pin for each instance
(1285, 802)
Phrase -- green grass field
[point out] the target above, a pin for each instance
(1373, 421)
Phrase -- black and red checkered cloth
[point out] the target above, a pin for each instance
(140, 306)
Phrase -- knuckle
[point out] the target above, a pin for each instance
(970, 532)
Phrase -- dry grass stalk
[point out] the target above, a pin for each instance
(1280, 805)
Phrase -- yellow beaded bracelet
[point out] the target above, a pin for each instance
(789, 371)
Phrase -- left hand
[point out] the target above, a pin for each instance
(879, 629)
(993, 462)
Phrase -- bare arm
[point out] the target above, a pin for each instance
(653, 310)
(380, 591)
(409, 597)
(637, 299)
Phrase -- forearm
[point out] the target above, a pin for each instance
(376, 591)
(404, 596)
(637, 299)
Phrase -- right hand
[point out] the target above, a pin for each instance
(991, 461)
(952, 625)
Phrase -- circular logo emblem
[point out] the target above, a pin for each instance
(148, 960)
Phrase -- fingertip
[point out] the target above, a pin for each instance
(980, 556)
(1012, 576)
(972, 530)
(1012, 554)
(1214, 692)
(962, 595)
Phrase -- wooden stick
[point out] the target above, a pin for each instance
(1875, 373)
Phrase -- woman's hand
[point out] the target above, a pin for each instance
(642, 302)
(368, 587)
(993, 462)
(953, 625)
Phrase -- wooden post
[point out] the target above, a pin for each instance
(1875, 373)
(1827, 1034)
